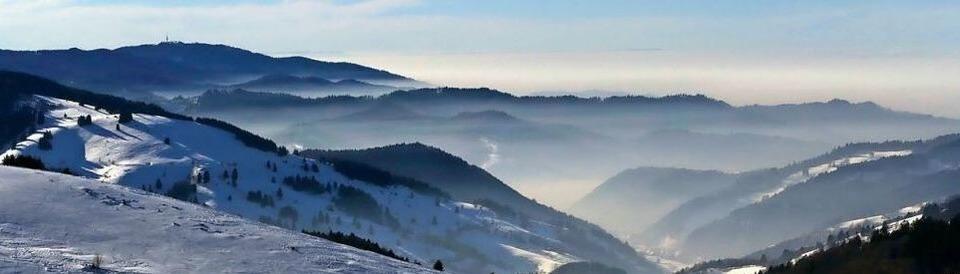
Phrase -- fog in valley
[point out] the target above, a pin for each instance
(558, 151)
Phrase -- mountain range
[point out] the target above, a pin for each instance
(303, 153)
(733, 215)
(225, 168)
(175, 67)
(537, 138)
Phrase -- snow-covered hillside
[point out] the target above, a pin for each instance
(842, 189)
(814, 171)
(209, 166)
(57, 223)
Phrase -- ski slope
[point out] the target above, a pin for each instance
(57, 223)
(465, 236)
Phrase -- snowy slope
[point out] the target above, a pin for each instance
(814, 171)
(423, 227)
(58, 223)
(671, 231)
(852, 188)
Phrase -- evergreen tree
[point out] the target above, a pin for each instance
(44, 143)
(84, 120)
(438, 265)
(125, 117)
(158, 184)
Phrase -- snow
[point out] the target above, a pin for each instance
(57, 223)
(137, 157)
(748, 269)
(894, 226)
(753, 269)
(911, 209)
(670, 265)
(811, 172)
(804, 255)
(868, 221)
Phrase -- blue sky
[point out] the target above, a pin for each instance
(741, 51)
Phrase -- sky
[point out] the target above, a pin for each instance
(902, 54)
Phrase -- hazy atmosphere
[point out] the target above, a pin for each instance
(467, 136)
(900, 54)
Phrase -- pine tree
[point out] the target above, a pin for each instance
(125, 117)
(44, 143)
(158, 184)
(166, 141)
(84, 120)
(279, 193)
(438, 266)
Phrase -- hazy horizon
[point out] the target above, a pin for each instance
(900, 55)
(901, 83)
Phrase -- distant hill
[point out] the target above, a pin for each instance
(852, 189)
(633, 199)
(175, 66)
(768, 206)
(473, 100)
(311, 86)
(484, 116)
(382, 111)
